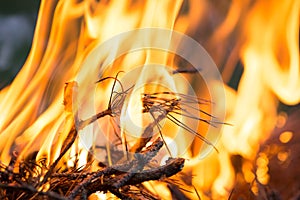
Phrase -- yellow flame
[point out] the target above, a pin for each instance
(32, 112)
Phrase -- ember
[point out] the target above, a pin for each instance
(118, 99)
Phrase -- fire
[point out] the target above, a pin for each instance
(271, 73)
(67, 48)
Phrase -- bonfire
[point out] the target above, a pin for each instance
(155, 100)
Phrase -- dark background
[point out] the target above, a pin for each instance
(17, 23)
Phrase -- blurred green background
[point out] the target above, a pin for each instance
(17, 23)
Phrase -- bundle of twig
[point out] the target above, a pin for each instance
(35, 181)
(32, 180)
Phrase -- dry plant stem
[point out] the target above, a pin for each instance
(69, 142)
(172, 167)
(88, 121)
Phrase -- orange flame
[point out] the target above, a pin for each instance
(33, 117)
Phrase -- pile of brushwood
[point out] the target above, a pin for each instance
(123, 179)
(34, 180)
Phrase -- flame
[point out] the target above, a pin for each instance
(65, 45)
(271, 73)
